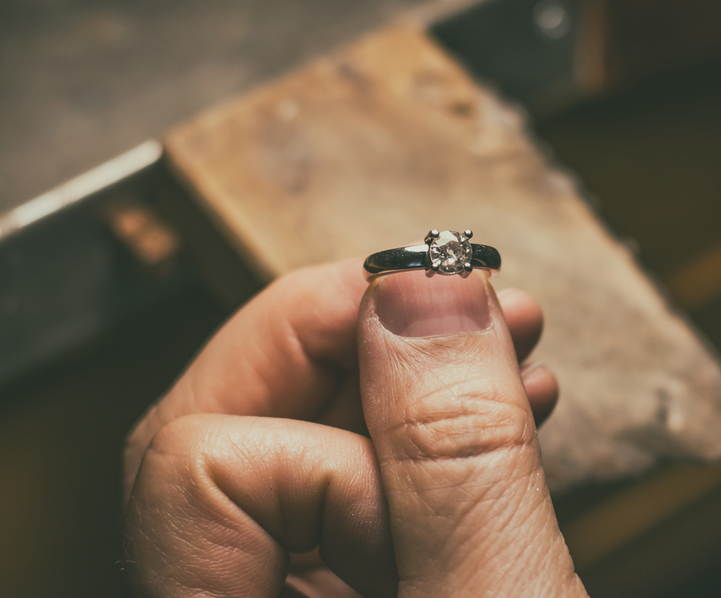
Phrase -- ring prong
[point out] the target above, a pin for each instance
(433, 234)
(468, 234)
(468, 267)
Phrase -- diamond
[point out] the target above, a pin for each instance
(449, 252)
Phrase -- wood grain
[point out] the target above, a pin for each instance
(373, 146)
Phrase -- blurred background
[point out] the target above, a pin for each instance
(104, 302)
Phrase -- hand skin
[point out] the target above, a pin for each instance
(260, 453)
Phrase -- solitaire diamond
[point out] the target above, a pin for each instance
(449, 252)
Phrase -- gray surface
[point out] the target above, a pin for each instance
(82, 81)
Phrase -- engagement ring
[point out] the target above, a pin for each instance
(446, 252)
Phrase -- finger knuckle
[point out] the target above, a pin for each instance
(177, 453)
(460, 423)
(176, 524)
(175, 437)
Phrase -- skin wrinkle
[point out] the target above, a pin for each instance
(202, 492)
(427, 431)
(209, 466)
(544, 560)
(418, 351)
(484, 407)
(483, 553)
(456, 518)
(423, 351)
(511, 523)
(423, 455)
(518, 550)
(434, 509)
(254, 465)
(319, 508)
(308, 340)
(484, 493)
(504, 561)
(492, 462)
(532, 552)
(218, 494)
(443, 385)
(201, 498)
(499, 523)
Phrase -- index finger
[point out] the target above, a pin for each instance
(282, 355)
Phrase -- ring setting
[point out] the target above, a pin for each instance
(443, 252)
(449, 252)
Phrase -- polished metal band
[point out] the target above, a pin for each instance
(416, 257)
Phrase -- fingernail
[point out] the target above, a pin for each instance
(413, 305)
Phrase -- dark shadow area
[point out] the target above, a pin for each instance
(650, 156)
(61, 434)
(96, 326)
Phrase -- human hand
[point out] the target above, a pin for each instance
(259, 449)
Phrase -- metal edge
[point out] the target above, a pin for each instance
(82, 186)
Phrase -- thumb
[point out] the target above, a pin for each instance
(455, 437)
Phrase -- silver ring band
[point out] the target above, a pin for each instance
(446, 252)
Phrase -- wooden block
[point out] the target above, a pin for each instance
(375, 145)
